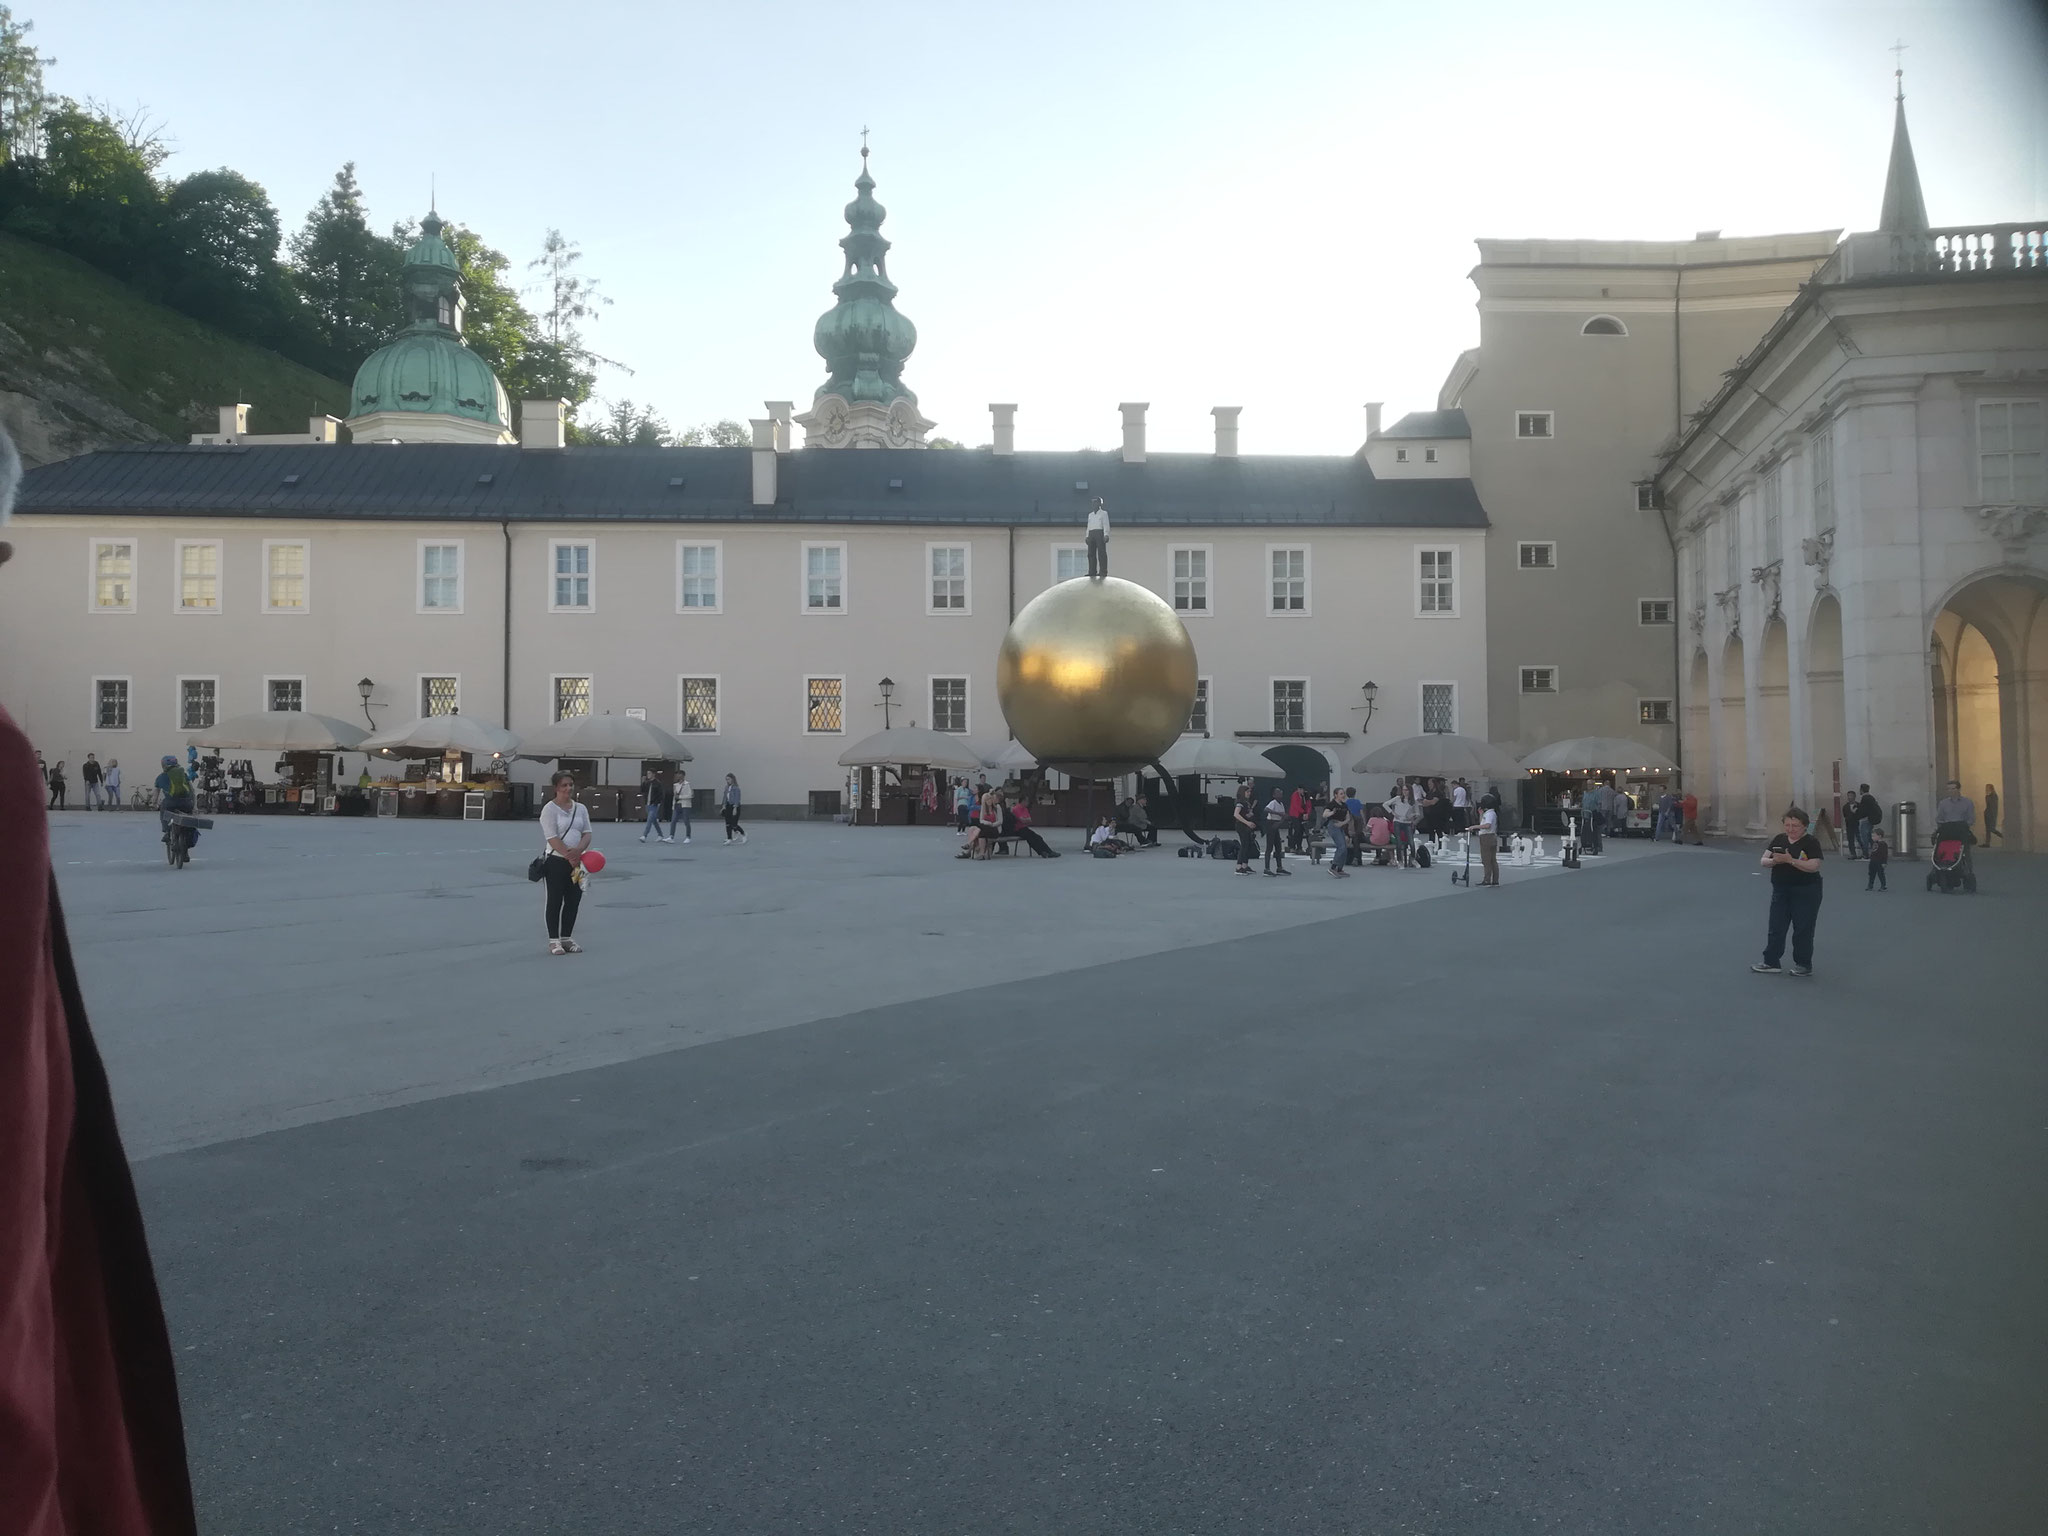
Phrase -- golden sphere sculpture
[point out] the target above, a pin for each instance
(1096, 676)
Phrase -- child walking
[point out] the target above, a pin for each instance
(1880, 856)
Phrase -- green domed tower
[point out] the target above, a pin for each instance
(425, 386)
(864, 342)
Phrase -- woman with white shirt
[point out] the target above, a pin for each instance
(1489, 841)
(565, 838)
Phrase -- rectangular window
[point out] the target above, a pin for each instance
(1646, 495)
(948, 564)
(1653, 711)
(1436, 588)
(1537, 557)
(1290, 704)
(1069, 561)
(1539, 679)
(1774, 513)
(572, 698)
(700, 705)
(284, 693)
(197, 700)
(1400, 455)
(824, 578)
(1190, 576)
(284, 576)
(1654, 610)
(1198, 717)
(1532, 424)
(697, 578)
(440, 577)
(113, 576)
(823, 697)
(570, 575)
(2009, 452)
(440, 696)
(110, 703)
(1290, 580)
(1440, 707)
(1731, 543)
(1821, 449)
(199, 576)
(949, 704)
(1429, 455)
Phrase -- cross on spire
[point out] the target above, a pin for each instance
(1898, 53)
(864, 143)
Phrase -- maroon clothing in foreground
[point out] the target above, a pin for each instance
(91, 1443)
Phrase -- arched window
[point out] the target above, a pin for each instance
(1603, 325)
(445, 312)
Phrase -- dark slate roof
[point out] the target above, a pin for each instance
(489, 483)
(1430, 424)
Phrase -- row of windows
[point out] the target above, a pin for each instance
(1544, 680)
(700, 577)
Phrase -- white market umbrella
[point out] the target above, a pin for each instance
(281, 730)
(910, 744)
(1217, 757)
(603, 736)
(1439, 754)
(432, 735)
(1582, 754)
(1015, 757)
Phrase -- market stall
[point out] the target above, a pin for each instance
(1570, 767)
(446, 765)
(903, 776)
(305, 745)
(587, 745)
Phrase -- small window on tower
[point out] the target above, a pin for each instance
(444, 312)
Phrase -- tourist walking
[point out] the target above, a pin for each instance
(680, 794)
(1246, 826)
(1402, 809)
(565, 838)
(113, 783)
(652, 789)
(89, 775)
(1297, 820)
(1276, 836)
(1793, 858)
(730, 798)
(1689, 818)
(57, 786)
(1880, 856)
(1869, 816)
(1336, 822)
(1990, 813)
(1489, 842)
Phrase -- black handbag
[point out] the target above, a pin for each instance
(538, 869)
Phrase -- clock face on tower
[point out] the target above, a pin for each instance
(899, 425)
(832, 423)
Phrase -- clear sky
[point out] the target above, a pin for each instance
(1191, 204)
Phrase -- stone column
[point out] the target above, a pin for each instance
(1754, 611)
(1795, 579)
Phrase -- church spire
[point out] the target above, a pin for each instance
(1905, 210)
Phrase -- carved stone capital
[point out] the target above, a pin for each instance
(1817, 552)
(1768, 579)
(2015, 527)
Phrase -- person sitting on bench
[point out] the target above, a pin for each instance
(1104, 839)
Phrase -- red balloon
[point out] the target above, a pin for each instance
(593, 862)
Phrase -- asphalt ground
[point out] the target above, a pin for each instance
(1516, 1210)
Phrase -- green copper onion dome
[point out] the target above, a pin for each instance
(426, 369)
(862, 339)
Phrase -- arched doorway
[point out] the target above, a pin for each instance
(1989, 671)
(1731, 746)
(1305, 767)
(1827, 720)
(1774, 701)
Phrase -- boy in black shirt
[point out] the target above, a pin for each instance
(1880, 857)
(1793, 858)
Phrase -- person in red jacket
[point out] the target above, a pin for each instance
(91, 1439)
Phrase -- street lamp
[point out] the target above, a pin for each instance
(363, 688)
(888, 686)
(1371, 691)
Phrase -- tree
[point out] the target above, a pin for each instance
(571, 297)
(348, 276)
(22, 99)
(944, 442)
(222, 236)
(626, 425)
(719, 434)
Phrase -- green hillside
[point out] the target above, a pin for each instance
(85, 362)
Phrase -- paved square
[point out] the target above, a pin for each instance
(1074, 1197)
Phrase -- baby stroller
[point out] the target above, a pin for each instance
(1949, 866)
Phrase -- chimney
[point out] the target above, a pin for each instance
(1372, 420)
(1226, 430)
(322, 429)
(234, 421)
(1134, 430)
(543, 424)
(764, 460)
(1005, 428)
(779, 412)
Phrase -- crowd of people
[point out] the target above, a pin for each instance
(1392, 832)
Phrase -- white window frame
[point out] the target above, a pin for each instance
(591, 577)
(178, 699)
(1520, 563)
(283, 677)
(419, 575)
(824, 677)
(1272, 703)
(305, 574)
(1429, 455)
(1549, 417)
(1400, 455)
(93, 701)
(931, 579)
(1821, 468)
(1205, 695)
(966, 700)
(93, 546)
(1670, 603)
(1522, 680)
(419, 689)
(803, 584)
(1208, 580)
(1645, 495)
(1457, 580)
(1422, 702)
(683, 681)
(554, 686)
(1977, 444)
(220, 567)
(1307, 607)
(1670, 711)
(1062, 549)
(717, 548)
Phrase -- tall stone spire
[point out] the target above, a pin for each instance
(863, 402)
(1905, 210)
